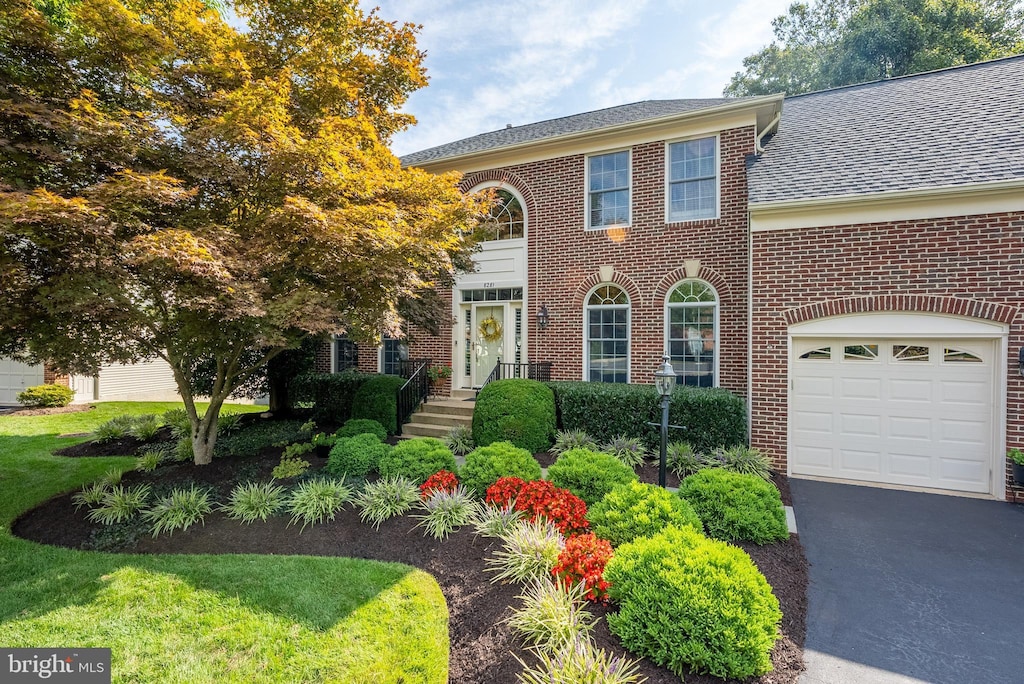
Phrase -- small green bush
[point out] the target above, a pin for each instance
(445, 511)
(254, 501)
(45, 396)
(330, 394)
(184, 451)
(639, 510)
(416, 459)
(356, 456)
(484, 465)
(289, 468)
(149, 461)
(386, 498)
(120, 504)
(177, 419)
(179, 510)
(144, 428)
(228, 423)
(359, 426)
(377, 399)
(314, 501)
(735, 506)
(117, 427)
(516, 410)
(692, 603)
(495, 521)
(589, 474)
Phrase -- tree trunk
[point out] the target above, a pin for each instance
(204, 433)
(280, 404)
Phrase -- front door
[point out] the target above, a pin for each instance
(487, 340)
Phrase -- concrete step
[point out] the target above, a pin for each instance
(448, 406)
(461, 394)
(422, 430)
(429, 418)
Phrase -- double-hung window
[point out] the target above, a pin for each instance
(608, 190)
(693, 179)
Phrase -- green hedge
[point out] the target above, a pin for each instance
(377, 399)
(330, 394)
(735, 506)
(689, 602)
(712, 417)
(484, 465)
(516, 410)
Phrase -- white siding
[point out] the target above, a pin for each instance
(143, 381)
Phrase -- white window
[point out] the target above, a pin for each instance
(506, 219)
(607, 335)
(608, 190)
(692, 313)
(693, 179)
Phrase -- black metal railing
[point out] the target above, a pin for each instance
(414, 392)
(536, 370)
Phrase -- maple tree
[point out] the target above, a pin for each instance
(174, 187)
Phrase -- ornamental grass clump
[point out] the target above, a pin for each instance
(117, 427)
(120, 504)
(144, 428)
(589, 474)
(446, 511)
(179, 510)
(254, 501)
(529, 551)
(572, 439)
(460, 440)
(386, 498)
(639, 510)
(736, 507)
(485, 465)
(177, 420)
(690, 603)
(90, 496)
(681, 459)
(314, 501)
(742, 459)
(630, 451)
(580, 662)
(149, 461)
(495, 521)
(551, 616)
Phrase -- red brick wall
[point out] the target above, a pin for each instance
(929, 265)
(563, 258)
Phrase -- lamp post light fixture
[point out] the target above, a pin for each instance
(665, 382)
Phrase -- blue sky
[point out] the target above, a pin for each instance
(520, 61)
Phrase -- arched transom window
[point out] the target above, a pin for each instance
(607, 335)
(692, 312)
(506, 220)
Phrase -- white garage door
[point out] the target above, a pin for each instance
(16, 376)
(902, 412)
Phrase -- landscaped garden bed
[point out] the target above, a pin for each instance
(483, 647)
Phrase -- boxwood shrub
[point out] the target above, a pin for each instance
(377, 399)
(330, 394)
(589, 474)
(516, 410)
(712, 417)
(692, 603)
(359, 426)
(416, 459)
(735, 506)
(639, 510)
(45, 396)
(356, 456)
(484, 465)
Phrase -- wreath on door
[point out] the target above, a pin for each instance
(490, 329)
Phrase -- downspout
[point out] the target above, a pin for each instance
(758, 147)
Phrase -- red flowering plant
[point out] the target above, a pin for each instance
(582, 561)
(536, 498)
(441, 481)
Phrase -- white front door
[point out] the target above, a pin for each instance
(488, 340)
(914, 412)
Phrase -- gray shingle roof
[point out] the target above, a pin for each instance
(567, 125)
(956, 126)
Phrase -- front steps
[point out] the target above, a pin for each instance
(438, 415)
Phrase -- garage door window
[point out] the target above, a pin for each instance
(819, 354)
(909, 353)
(958, 355)
(860, 352)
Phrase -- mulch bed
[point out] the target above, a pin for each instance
(71, 408)
(482, 647)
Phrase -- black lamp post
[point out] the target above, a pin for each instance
(665, 382)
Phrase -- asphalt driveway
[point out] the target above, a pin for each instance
(910, 587)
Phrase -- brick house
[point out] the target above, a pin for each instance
(849, 261)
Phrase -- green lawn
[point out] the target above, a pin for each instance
(202, 618)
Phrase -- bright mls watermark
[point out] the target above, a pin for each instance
(78, 665)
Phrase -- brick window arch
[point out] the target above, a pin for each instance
(691, 332)
(606, 321)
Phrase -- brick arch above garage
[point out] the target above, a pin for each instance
(950, 306)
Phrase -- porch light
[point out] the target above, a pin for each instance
(542, 317)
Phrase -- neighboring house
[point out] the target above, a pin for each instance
(849, 261)
(145, 381)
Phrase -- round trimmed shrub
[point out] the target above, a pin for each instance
(356, 456)
(49, 396)
(516, 410)
(359, 426)
(377, 399)
(416, 459)
(692, 603)
(589, 474)
(736, 507)
(639, 510)
(484, 465)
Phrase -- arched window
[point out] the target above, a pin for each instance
(607, 344)
(692, 313)
(506, 220)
